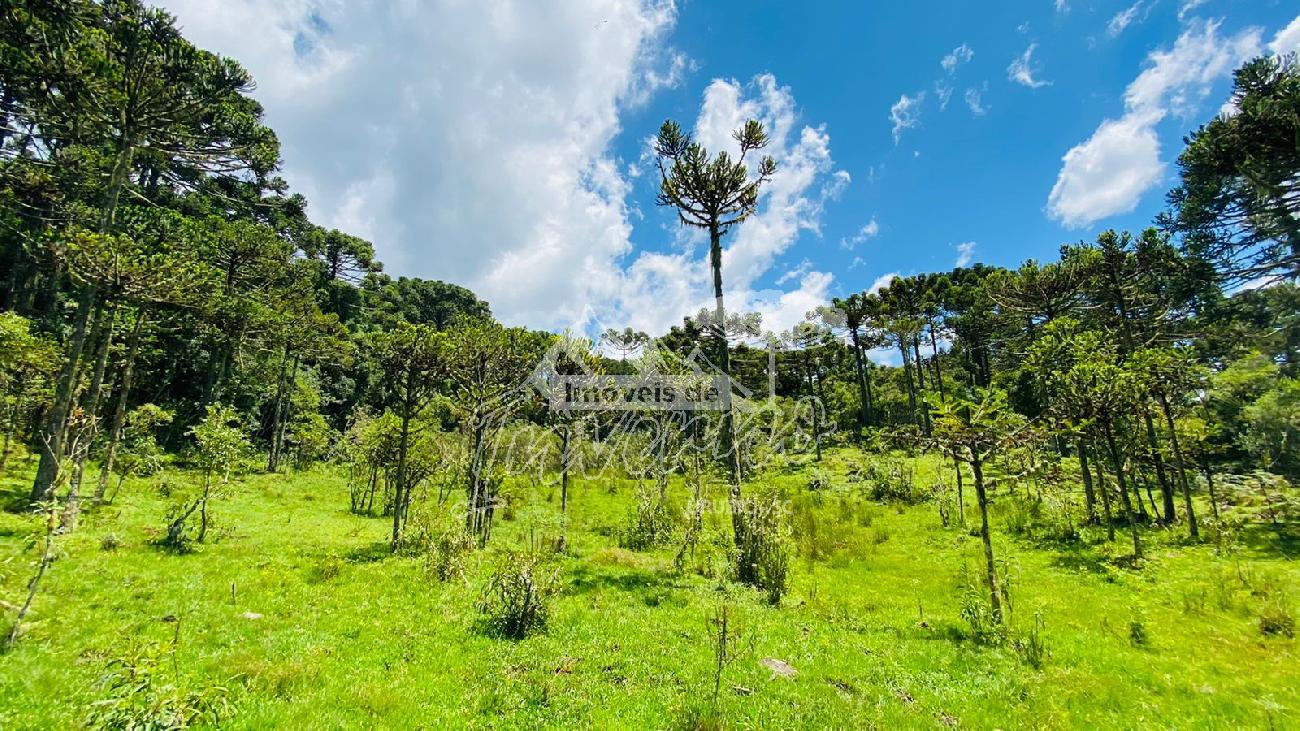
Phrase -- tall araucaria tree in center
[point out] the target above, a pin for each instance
(714, 192)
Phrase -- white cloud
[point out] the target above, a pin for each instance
(960, 55)
(973, 101)
(472, 143)
(944, 93)
(1109, 172)
(1125, 18)
(882, 281)
(1287, 40)
(869, 231)
(965, 254)
(857, 262)
(1062, 6)
(1023, 28)
(1022, 70)
(906, 114)
(1187, 6)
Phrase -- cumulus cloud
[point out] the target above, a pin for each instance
(1108, 173)
(472, 142)
(960, 55)
(973, 101)
(1022, 69)
(1187, 6)
(906, 114)
(869, 231)
(965, 254)
(1287, 40)
(1124, 18)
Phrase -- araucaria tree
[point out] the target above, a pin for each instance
(715, 193)
(973, 430)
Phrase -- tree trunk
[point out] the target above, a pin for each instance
(995, 593)
(1209, 484)
(731, 451)
(1118, 463)
(565, 457)
(1090, 496)
(1193, 529)
(938, 370)
(52, 436)
(72, 507)
(1105, 502)
(864, 395)
(119, 412)
(1166, 487)
(277, 412)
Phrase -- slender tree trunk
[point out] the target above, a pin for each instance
(1090, 496)
(728, 437)
(1193, 529)
(273, 455)
(911, 390)
(1209, 484)
(961, 499)
(938, 370)
(995, 593)
(864, 395)
(72, 506)
(119, 411)
(920, 384)
(566, 444)
(1118, 462)
(1166, 486)
(52, 447)
(1105, 502)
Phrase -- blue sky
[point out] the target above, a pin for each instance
(502, 146)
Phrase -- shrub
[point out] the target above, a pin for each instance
(650, 523)
(137, 695)
(978, 613)
(763, 553)
(1276, 619)
(1137, 632)
(893, 481)
(516, 601)
(819, 479)
(1031, 649)
(110, 542)
(447, 554)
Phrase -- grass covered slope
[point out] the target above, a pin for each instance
(298, 616)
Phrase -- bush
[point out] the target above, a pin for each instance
(516, 600)
(110, 542)
(978, 613)
(137, 695)
(1276, 619)
(893, 481)
(763, 553)
(650, 524)
(1031, 649)
(447, 554)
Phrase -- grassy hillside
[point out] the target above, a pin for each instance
(298, 616)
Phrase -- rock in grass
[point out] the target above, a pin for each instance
(250, 615)
(779, 668)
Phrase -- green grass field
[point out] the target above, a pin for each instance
(350, 636)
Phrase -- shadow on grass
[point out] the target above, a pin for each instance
(587, 579)
(369, 553)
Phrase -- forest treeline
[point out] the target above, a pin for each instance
(165, 292)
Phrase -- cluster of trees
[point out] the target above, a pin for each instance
(151, 255)
(162, 285)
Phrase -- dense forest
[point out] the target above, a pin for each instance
(177, 335)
